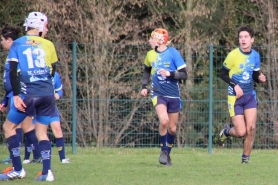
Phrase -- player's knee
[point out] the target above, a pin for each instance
(241, 133)
(7, 128)
(172, 129)
(164, 122)
(251, 130)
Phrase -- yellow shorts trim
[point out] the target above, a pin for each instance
(154, 100)
(231, 105)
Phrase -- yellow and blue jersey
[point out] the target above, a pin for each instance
(170, 60)
(241, 67)
(34, 55)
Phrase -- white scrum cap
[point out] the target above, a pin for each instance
(35, 20)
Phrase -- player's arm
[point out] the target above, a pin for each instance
(224, 75)
(146, 76)
(181, 74)
(53, 66)
(5, 101)
(58, 86)
(256, 75)
(15, 83)
(54, 58)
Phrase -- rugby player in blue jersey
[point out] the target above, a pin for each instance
(239, 70)
(55, 122)
(8, 35)
(33, 94)
(167, 68)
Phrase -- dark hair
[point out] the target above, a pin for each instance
(10, 32)
(246, 28)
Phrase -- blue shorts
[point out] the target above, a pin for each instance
(237, 106)
(40, 107)
(173, 104)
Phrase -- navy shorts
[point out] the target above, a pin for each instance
(173, 104)
(40, 107)
(237, 106)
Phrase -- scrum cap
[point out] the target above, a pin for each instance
(35, 20)
(160, 35)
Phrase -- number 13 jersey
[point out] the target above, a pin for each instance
(34, 56)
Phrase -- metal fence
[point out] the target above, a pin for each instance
(102, 107)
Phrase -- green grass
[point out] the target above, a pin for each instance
(124, 166)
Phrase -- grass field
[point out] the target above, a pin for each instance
(124, 166)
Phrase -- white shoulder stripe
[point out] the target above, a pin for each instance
(12, 59)
(182, 66)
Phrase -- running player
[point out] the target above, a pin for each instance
(167, 67)
(239, 70)
(33, 94)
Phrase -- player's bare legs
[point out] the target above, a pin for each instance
(14, 149)
(41, 132)
(245, 125)
(56, 128)
(27, 125)
(167, 132)
(162, 114)
(239, 129)
(9, 128)
(251, 118)
(173, 120)
(60, 142)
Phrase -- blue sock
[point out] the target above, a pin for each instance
(60, 143)
(28, 149)
(19, 135)
(32, 139)
(245, 156)
(226, 132)
(14, 148)
(45, 150)
(163, 141)
(170, 141)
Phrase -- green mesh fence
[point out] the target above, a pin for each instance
(111, 113)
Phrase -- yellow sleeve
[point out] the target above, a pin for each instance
(147, 61)
(229, 61)
(54, 57)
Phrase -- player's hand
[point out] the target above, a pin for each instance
(262, 78)
(2, 108)
(163, 72)
(238, 91)
(56, 95)
(19, 104)
(144, 92)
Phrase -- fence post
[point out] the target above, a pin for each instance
(210, 96)
(74, 97)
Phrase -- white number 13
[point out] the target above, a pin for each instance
(39, 59)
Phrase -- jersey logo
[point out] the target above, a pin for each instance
(245, 76)
(33, 42)
(166, 64)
